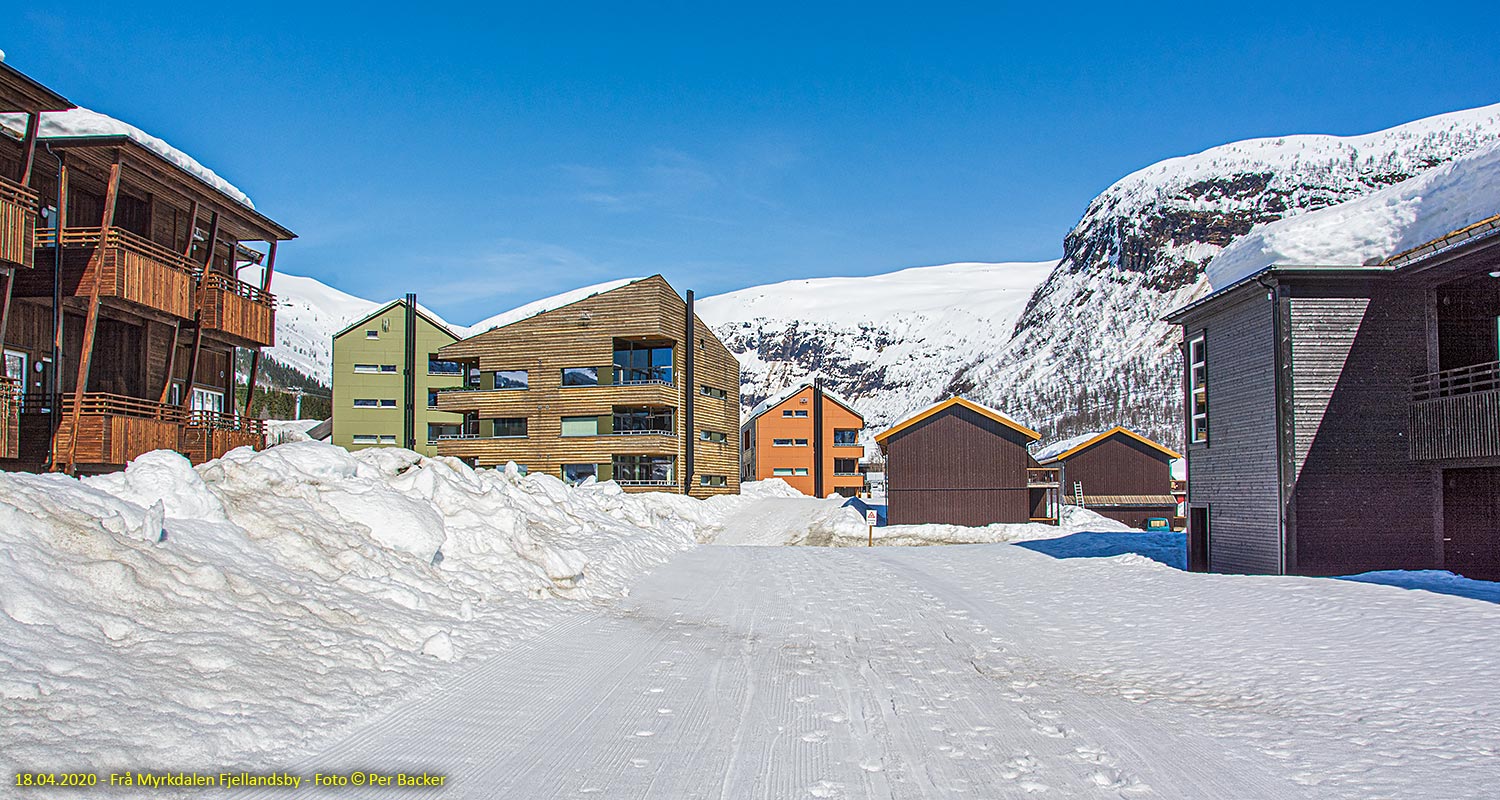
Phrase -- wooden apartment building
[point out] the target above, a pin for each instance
(807, 437)
(612, 386)
(962, 463)
(1343, 419)
(122, 307)
(1117, 473)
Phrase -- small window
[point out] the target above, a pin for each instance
(388, 369)
(372, 334)
(1198, 390)
(366, 438)
(712, 436)
(845, 437)
(387, 403)
(709, 391)
(580, 426)
(388, 439)
(795, 413)
(512, 379)
(802, 470)
(510, 428)
(787, 471)
(578, 473)
(366, 403)
(366, 369)
(432, 398)
(580, 376)
(800, 442)
(782, 442)
(711, 480)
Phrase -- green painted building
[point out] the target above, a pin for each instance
(385, 377)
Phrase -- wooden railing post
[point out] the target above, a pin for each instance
(265, 288)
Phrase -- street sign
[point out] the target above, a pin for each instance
(871, 518)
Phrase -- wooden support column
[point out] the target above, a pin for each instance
(192, 376)
(28, 145)
(10, 279)
(166, 386)
(91, 322)
(265, 286)
(187, 249)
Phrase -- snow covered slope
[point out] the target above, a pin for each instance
(889, 343)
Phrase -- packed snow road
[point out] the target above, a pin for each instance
(737, 672)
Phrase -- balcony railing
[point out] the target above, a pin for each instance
(237, 309)
(10, 417)
(1041, 477)
(1455, 414)
(18, 207)
(656, 482)
(618, 432)
(130, 267)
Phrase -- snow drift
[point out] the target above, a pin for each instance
(1375, 227)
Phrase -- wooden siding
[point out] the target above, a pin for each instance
(1357, 501)
(960, 468)
(236, 311)
(129, 274)
(1463, 426)
(1234, 474)
(1117, 466)
(582, 334)
(17, 224)
(1471, 522)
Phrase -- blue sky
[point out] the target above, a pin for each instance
(487, 157)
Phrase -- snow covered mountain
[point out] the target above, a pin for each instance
(1087, 351)
(887, 342)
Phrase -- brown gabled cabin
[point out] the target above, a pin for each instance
(1117, 473)
(962, 463)
(123, 329)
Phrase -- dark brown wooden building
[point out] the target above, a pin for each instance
(1117, 473)
(122, 308)
(1347, 419)
(961, 463)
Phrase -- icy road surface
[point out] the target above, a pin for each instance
(988, 671)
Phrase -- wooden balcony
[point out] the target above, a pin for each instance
(18, 207)
(10, 418)
(1455, 414)
(113, 429)
(236, 311)
(124, 266)
(211, 434)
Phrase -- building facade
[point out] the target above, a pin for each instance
(1117, 473)
(123, 307)
(386, 375)
(807, 437)
(1347, 419)
(962, 463)
(613, 386)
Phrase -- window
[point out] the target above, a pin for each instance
(205, 400)
(711, 480)
(709, 391)
(1198, 389)
(437, 366)
(642, 420)
(365, 402)
(365, 369)
(387, 403)
(432, 398)
(510, 428)
(711, 436)
(794, 412)
(802, 470)
(781, 442)
(645, 470)
(370, 438)
(436, 431)
(389, 369)
(845, 437)
(782, 471)
(846, 466)
(372, 334)
(642, 363)
(512, 379)
(580, 376)
(578, 473)
(580, 426)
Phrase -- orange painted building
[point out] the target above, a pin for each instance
(806, 437)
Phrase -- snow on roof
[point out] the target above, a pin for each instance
(1062, 446)
(541, 306)
(786, 394)
(1371, 229)
(1057, 450)
(81, 122)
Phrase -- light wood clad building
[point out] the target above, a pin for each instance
(806, 437)
(611, 386)
(122, 329)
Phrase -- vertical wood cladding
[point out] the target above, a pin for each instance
(1121, 467)
(1471, 522)
(583, 334)
(1360, 503)
(957, 467)
(1235, 472)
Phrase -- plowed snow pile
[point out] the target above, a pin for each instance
(168, 617)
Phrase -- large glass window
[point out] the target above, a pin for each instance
(846, 466)
(642, 363)
(1198, 389)
(205, 400)
(580, 426)
(437, 366)
(845, 436)
(510, 428)
(645, 470)
(580, 376)
(641, 420)
(512, 379)
(578, 473)
(436, 431)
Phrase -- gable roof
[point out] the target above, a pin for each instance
(786, 394)
(421, 312)
(1067, 448)
(984, 411)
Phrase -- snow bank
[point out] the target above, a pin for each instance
(1375, 227)
(172, 617)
